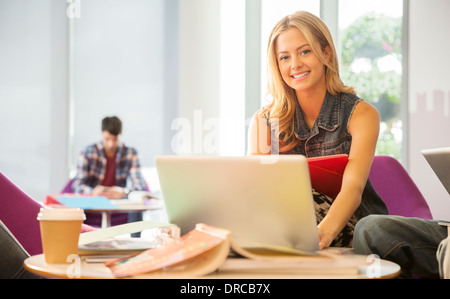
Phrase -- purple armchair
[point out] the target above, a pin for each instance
(399, 192)
(19, 213)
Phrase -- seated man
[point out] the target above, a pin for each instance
(109, 168)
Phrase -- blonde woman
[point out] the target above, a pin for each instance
(314, 114)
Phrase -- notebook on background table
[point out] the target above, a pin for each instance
(260, 199)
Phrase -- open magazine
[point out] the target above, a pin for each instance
(199, 252)
(115, 241)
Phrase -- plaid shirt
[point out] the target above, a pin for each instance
(91, 169)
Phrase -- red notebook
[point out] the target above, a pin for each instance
(326, 173)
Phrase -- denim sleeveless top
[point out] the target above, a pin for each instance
(329, 136)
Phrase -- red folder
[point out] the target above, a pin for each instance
(51, 199)
(326, 173)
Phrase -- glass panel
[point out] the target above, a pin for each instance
(371, 61)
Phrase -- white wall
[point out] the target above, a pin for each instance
(33, 60)
(119, 67)
(118, 70)
(429, 96)
(147, 61)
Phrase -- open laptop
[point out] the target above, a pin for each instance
(260, 199)
(439, 160)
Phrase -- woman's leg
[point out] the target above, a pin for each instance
(410, 242)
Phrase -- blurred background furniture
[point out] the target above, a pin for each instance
(19, 213)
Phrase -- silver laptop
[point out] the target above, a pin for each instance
(439, 160)
(260, 199)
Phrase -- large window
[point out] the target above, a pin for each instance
(371, 61)
(369, 40)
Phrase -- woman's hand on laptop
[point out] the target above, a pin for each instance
(324, 239)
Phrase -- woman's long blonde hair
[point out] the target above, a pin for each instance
(283, 105)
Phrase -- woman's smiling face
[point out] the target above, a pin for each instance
(299, 66)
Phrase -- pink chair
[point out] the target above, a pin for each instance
(19, 213)
(399, 192)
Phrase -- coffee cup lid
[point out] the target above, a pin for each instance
(61, 214)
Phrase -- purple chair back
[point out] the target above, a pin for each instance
(19, 213)
(68, 187)
(399, 192)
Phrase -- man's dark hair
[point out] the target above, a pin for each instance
(112, 124)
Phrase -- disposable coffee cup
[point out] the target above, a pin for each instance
(60, 231)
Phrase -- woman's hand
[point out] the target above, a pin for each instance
(325, 239)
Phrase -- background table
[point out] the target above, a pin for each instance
(123, 206)
(106, 212)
